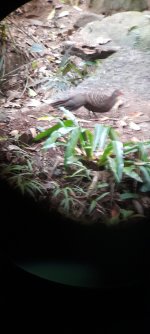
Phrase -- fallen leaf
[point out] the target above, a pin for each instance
(24, 109)
(134, 126)
(33, 132)
(32, 116)
(104, 118)
(12, 94)
(51, 15)
(26, 137)
(33, 103)
(35, 22)
(115, 211)
(64, 13)
(31, 92)
(14, 133)
(11, 104)
(102, 40)
(3, 138)
(77, 8)
(14, 148)
(122, 123)
(136, 114)
(135, 140)
(45, 118)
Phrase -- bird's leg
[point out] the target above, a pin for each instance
(95, 114)
(90, 111)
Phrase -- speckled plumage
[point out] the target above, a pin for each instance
(92, 100)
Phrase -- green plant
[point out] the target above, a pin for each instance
(21, 177)
(102, 147)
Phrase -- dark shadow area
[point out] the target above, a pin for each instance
(119, 256)
(9, 6)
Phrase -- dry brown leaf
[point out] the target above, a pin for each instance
(62, 14)
(14, 133)
(25, 109)
(11, 105)
(33, 103)
(12, 94)
(134, 126)
(51, 15)
(136, 114)
(135, 140)
(14, 148)
(33, 132)
(122, 123)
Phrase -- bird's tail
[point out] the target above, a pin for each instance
(59, 103)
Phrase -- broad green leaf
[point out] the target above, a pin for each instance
(131, 173)
(86, 141)
(128, 195)
(145, 187)
(71, 117)
(146, 176)
(143, 152)
(113, 167)
(130, 147)
(118, 150)
(113, 135)
(55, 135)
(102, 185)
(92, 206)
(100, 135)
(106, 153)
(102, 196)
(47, 132)
(126, 213)
(72, 143)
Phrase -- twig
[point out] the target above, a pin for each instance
(23, 31)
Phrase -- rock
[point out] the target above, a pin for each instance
(89, 52)
(108, 7)
(86, 18)
(126, 28)
(127, 70)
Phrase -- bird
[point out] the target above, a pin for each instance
(92, 100)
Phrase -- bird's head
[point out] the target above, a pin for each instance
(117, 93)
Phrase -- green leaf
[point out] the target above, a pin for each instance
(112, 165)
(113, 135)
(130, 148)
(106, 153)
(128, 195)
(92, 206)
(102, 196)
(102, 185)
(131, 173)
(87, 142)
(71, 116)
(100, 135)
(126, 213)
(116, 164)
(146, 176)
(50, 142)
(47, 132)
(118, 150)
(72, 143)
